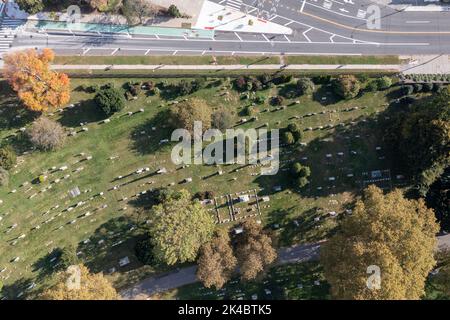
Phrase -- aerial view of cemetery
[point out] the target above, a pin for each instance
(346, 196)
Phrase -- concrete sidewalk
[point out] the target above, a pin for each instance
(390, 67)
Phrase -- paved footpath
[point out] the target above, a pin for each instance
(181, 277)
(393, 67)
(187, 275)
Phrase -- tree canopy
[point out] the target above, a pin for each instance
(390, 232)
(180, 226)
(88, 287)
(38, 87)
(216, 262)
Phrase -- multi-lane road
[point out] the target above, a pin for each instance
(319, 27)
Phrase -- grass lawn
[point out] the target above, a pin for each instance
(170, 60)
(288, 282)
(104, 227)
(342, 60)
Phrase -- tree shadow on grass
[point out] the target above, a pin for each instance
(326, 96)
(13, 115)
(111, 241)
(19, 290)
(47, 265)
(85, 112)
(146, 140)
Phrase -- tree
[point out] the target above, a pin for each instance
(46, 134)
(28, 72)
(8, 157)
(30, 6)
(254, 250)
(305, 86)
(216, 262)
(105, 5)
(184, 114)
(222, 119)
(91, 286)
(384, 83)
(174, 12)
(407, 90)
(180, 226)
(110, 100)
(419, 137)
(346, 86)
(300, 174)
(138, 10)
(390, 232)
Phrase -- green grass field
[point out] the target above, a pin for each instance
(36, 219)
(343, 60)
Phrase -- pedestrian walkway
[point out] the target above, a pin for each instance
(234, 4)
(393, 67)
(121, 29)
(8, 29)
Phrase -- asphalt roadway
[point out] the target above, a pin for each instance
(317, 29)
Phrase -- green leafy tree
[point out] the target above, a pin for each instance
(110, 100)
(305, 86)
(30, 6)
(347, 86)
(180, 226)
(390, 232)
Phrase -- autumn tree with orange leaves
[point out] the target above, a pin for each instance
(38, 87)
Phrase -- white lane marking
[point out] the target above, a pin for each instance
(147, 52)
(86, 51)
(331, 38)
(303, 6)
(288, 40)
(335, 12)
(157, 37)
(418, 21)
(240, 39)
(304, 34)
(273, 17)
(289, 23)
(114, 51)
(175, 52)
(264, 36)
(343, 10)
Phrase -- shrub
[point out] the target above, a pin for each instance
(288, 137)
(437, 87)
(203, 195)
(110, 100)
(321, 79)
(174, 12)
(427, 87)
(282, 79)
(346, 86)
(66, 257)
(92, 88)
(8, 157)
(301, 174)
(417, 87)
(260, 99)
(4, 177)
(407, 90)
(293, 127)
(240, 83)
(384, 83)
(250, 111)
(46, 134)
(222, 119)
(277, 100)
(372, 86)
(305, 86)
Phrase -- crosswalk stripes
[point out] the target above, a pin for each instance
(8, 29)
(234, 4)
